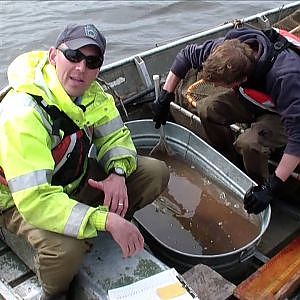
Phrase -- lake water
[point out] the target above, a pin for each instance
(129, 26)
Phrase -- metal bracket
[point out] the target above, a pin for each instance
(264, 22)
(142, 69)
(261, 257)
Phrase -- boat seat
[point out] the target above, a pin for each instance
(20, 247)
(279, 278)
(102, 269)
(17, 280)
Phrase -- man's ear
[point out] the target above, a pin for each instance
(52, 56)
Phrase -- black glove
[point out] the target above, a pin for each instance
(257, 198)
(161, 107)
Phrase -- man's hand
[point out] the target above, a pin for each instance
(125, 234)
(115, 191)
(257, 198)
(161, 107)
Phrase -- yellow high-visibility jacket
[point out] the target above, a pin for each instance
(27, 141)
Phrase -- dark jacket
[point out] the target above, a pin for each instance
(282, 81)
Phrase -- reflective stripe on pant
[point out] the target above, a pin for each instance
(58, 257)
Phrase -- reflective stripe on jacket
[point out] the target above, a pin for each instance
(27, 143)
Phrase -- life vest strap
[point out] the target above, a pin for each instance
(280, 43)
(61, 121)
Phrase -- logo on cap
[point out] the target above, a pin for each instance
(90, 31)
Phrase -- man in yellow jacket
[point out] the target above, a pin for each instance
(53, 194)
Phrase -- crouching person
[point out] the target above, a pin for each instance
(52, 194)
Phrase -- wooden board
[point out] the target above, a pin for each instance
(277, 279)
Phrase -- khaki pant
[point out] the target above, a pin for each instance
(58, 257)
(265, 135)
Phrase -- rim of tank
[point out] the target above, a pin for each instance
(264, 217)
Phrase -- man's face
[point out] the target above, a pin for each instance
(75, 77)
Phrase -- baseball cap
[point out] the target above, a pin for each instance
(76, 36)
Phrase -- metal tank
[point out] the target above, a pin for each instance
(207, 160)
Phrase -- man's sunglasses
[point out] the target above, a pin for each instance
(75, 56)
